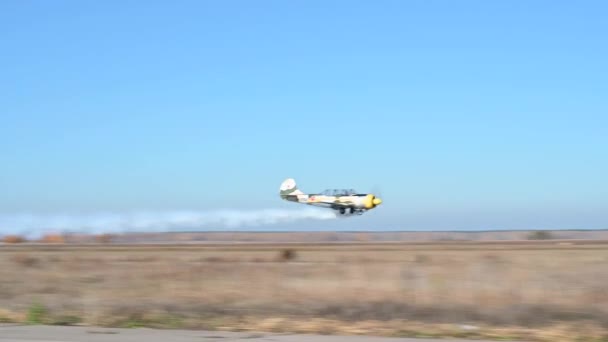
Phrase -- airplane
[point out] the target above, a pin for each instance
(345, 201)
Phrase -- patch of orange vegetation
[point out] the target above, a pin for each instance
(52, 238)
(13, 239)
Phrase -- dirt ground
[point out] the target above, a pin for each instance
(531, 291)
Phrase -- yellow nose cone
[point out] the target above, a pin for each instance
(377, 201)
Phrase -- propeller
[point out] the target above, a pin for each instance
(377, 192)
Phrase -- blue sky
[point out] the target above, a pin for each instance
(465, 114)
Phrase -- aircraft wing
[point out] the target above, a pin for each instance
(336, 204)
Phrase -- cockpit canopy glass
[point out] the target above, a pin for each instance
(339, 192)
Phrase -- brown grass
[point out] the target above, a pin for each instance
(531, 292)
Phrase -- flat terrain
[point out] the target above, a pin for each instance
(78, 334)
(541, 291)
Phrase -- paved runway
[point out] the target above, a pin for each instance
(10, 333)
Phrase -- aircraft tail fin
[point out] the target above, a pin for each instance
(289, 188)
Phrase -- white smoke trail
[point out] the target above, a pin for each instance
(154, 221)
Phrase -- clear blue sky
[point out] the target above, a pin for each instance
(466, 114)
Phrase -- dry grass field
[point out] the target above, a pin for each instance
(538, 291)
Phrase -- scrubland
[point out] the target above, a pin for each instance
(534, 292)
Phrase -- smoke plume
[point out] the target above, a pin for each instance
(155, 221)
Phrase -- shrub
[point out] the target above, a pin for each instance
(287, 254)
(540, 235)
(422, 259)
(36, 314)
(25, 260)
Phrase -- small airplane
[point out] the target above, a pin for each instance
(345, 201)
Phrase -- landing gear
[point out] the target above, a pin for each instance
(351, 211)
